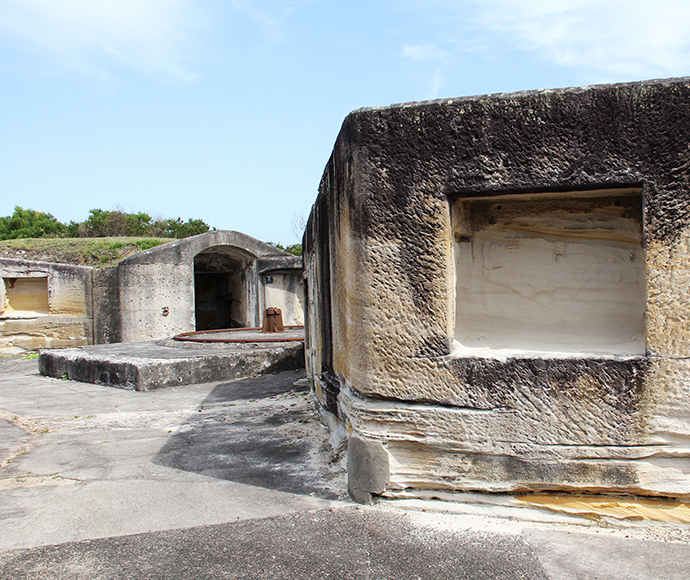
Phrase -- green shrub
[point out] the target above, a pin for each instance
(100, 224)
(27, 223)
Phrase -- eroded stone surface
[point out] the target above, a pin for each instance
(44, 305)
(411, 339)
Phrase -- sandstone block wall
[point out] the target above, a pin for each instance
(498, 292)
(44, 305)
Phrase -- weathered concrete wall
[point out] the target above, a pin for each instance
(156, 287)
(44, 305)
(395, 286)
(148, 295)
(285, 290)
(156, 300)
(105, 298)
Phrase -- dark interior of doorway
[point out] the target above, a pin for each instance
(218, 291)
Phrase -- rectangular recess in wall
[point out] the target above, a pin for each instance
(557, 273)
(26, 295)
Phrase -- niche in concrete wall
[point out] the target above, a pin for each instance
(25, 295)
(550, 273)
(285, 290)
(220, 297)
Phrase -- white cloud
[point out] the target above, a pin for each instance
(639, 38)
(154, 36)
(427, 51)
(270, 15)
(436, 82)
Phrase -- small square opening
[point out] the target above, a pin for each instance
(25, 296)
(559, 273)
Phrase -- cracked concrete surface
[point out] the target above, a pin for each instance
(237, 480)
(85, 461)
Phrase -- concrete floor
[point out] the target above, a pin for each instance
(238, 480)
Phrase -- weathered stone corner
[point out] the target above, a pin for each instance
(501, 282)
(368, 469)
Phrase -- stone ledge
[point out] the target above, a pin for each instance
(144, 366)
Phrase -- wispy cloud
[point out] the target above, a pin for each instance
(436, 82)
(424, 51)
(259, 13)
(638, 38)
(269, 15)
(95, 36)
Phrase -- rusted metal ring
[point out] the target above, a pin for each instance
(194, 335)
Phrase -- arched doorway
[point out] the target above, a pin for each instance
(220, 288)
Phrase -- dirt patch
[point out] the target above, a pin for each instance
(621, 508)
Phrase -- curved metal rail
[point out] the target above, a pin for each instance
(274, 337)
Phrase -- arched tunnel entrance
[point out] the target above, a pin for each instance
(220, 289)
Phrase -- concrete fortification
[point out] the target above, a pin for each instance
(219, 279)
(497, 292)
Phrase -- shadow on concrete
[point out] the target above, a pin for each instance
(257, 388)
(343, 544)
(256, 431)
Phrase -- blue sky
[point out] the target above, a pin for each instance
(227, 110)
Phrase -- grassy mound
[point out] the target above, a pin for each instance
(100, 252)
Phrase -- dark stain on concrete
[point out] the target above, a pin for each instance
(618, 384)
(257, 387)
(568, 139)
(536, 473)
(255, 445)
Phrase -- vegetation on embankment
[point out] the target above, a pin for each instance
(100, 252)
(103, 239)
(29, 223)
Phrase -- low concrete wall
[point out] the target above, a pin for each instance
(67, 320)
(145, 366)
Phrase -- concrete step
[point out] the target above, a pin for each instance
(144, 366)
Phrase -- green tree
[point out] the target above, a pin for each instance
(99, 224)
(137, 224)
(294, 249)
(102, 223)
(176, 228)
(28, 223)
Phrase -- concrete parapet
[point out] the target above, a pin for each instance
(145, 366)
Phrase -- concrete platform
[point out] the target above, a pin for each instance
(144, 366)
(237, 480)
